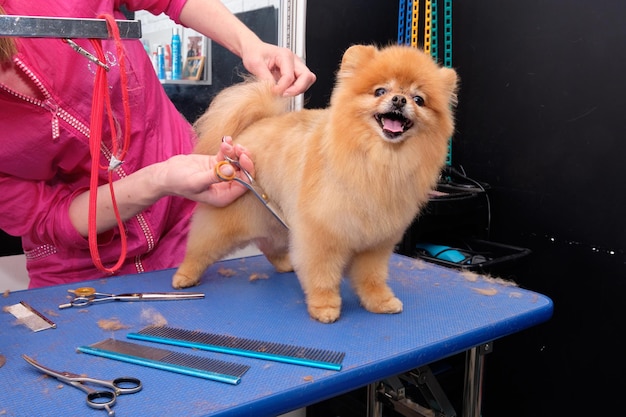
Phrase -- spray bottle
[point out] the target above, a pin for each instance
(176, 56)
(160, 62)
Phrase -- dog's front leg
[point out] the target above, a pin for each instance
(368, 276)
(320, 272)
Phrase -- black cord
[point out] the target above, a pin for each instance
(478, 185)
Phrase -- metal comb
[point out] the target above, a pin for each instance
(278, 352)
(167, 360)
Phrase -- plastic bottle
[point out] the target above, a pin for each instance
(160, 62)
(177, 62)
(168, 61)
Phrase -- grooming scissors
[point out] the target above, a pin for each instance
(84, 296)
(252, 185)
(101, 399)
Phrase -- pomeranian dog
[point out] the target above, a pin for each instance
(349, 179)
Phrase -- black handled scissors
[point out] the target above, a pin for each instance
(84, 296)
(252, 185)
(100, 399)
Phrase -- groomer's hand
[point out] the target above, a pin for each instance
(189, 176)
(270, 62)
(193, 176)
(266, 61)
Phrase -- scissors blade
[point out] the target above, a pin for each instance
(253, 186)
(156, 296)
(61, 376)
(260, 193)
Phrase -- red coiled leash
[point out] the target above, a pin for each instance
(100, 99)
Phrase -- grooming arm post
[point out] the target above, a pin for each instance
(55, 27)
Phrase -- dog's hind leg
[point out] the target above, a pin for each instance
(368, 276)
(276, 250)
(212, 236)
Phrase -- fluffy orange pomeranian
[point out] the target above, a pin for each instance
(348, 179)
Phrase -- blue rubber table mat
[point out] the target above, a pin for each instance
(445, 312)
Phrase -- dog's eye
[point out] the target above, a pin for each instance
(419, 100)
(379, 92)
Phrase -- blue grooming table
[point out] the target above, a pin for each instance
(445, 312)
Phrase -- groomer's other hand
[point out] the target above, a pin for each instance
(264, 60)
(287, 70)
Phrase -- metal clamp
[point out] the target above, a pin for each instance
(392, 391)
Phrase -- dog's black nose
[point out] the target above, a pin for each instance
(398, 101)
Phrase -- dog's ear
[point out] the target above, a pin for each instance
(354, 57)
(450, 80)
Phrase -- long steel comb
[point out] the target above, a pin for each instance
(278, 352)
(167, 360)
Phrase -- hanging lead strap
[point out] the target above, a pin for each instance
(100, 99)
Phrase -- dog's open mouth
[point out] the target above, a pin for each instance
(393, 123)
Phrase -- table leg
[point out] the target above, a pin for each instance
(472, 391)
(374, 407)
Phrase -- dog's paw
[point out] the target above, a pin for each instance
(324, 306)
(325, 314)
(182, 281)
(388, 306)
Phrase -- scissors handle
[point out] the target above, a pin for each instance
(127, 385)
(102, 400)
(221, 175)
(121, 385)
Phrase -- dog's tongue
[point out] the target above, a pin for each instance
(392, 125)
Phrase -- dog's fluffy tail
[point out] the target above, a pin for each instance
(234, 109)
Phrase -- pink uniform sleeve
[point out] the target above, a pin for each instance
(171, 8)
(43, 212)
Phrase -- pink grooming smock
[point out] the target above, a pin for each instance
(45, 160)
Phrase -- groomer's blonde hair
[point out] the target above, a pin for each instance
(8, 48)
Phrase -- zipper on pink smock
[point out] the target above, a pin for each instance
(48, 103)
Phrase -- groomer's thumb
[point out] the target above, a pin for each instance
(226, 171)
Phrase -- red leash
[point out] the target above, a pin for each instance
(100, 99)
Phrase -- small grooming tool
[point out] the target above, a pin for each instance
(30, 317)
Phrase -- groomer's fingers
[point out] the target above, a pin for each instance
(303, 81)
(246, 163)
(226, 149)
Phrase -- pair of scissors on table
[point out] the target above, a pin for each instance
(252, 185)
(100, 399)
(84, 296)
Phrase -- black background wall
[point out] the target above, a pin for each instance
(540, 119)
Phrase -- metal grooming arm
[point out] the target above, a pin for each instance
(55, 27)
